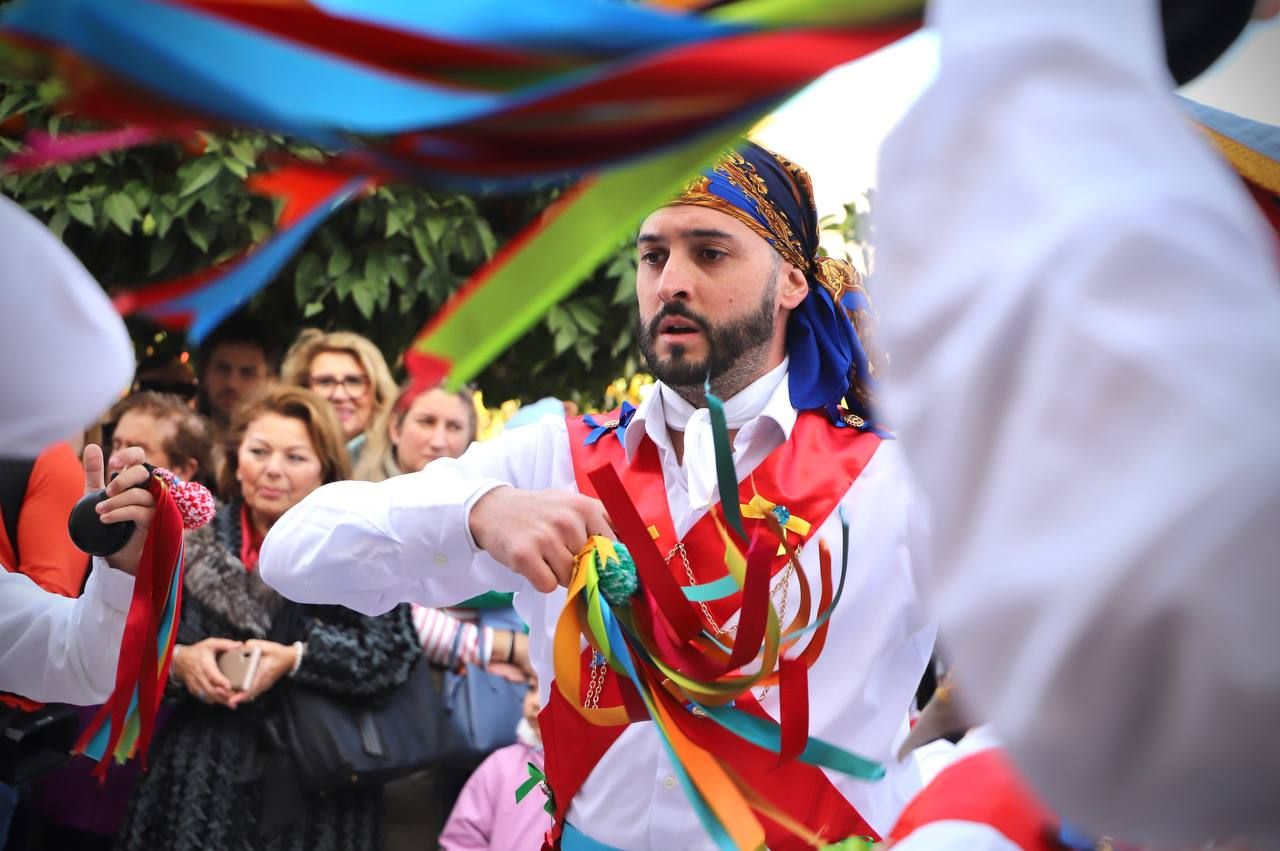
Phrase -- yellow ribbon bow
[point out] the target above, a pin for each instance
(759, 507)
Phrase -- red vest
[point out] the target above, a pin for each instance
(808, 474)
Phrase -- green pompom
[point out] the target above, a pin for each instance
(618, 577)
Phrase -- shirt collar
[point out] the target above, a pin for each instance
(767, 399)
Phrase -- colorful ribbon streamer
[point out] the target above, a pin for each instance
(124, 725)
(199, 302)
(473, 94)
(679, 673)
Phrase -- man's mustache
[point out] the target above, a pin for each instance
(676, 308)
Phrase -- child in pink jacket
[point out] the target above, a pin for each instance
(486, 815)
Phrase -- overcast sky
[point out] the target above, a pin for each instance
(834, 127)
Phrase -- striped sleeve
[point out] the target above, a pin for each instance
(449, 640)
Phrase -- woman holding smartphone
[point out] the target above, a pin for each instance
(206, 786)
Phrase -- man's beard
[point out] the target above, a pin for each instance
(737, 350)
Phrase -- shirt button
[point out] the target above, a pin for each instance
(669, 782)
(442, 559)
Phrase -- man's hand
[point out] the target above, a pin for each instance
(537, 534)
(124, 501)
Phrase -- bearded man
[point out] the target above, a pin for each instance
(733, 295)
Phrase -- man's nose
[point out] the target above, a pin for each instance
(677, 281)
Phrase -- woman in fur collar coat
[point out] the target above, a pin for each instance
(216, 779)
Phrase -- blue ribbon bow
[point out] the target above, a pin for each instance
(618, 426)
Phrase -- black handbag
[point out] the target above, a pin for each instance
(337, 741)
(354, 741)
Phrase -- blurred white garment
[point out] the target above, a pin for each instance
(1083, 308)
(66, 356)
(65, 352)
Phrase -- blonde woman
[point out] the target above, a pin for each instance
(420, 427)
(349, 371)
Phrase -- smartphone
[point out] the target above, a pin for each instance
(240, 666)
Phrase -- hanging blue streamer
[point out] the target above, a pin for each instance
(581, 27)
(216, 301)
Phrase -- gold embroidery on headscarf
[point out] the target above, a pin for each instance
(837, 276)
(743, 175)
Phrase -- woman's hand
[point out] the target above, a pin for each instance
(124, 501)
(196, 667)
(277, 660)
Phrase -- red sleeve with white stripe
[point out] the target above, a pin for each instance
(443, 635)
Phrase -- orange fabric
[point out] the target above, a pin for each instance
(48, 556)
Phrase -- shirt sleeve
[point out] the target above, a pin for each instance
(370, 545)
(1081, 303)
(46, 551)
(61, 324)
(57, 649)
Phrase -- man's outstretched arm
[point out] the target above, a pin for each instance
(505, 513)
(59, 649)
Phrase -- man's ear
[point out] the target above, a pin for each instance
(186, 470)
(793, 288)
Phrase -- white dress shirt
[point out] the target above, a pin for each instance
(372, 545)
(66, 356)
(1083, 308)
(62, 649)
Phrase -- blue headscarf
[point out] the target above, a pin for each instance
(774, 197)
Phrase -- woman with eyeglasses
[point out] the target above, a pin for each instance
(347, 370)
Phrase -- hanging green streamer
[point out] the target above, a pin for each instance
(798, 13)
(726, 476)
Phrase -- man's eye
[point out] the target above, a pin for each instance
(711, 254)
(651, 258)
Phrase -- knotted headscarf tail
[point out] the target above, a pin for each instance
(771, 195)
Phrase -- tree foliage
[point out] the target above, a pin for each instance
(381, 266)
